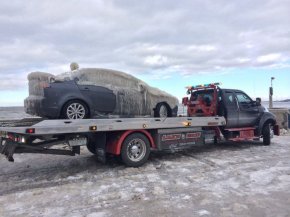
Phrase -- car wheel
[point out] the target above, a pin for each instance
(75, 109)
(162, 111)
(135, 150)
(266, 133)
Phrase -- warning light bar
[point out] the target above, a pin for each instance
(203, 86)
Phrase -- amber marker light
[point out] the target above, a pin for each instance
(187, 123)
(93, 128)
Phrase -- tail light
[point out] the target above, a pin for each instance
(44, 84)
(30, 130)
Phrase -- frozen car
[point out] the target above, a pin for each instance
(91, 92)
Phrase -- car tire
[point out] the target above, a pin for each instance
(266, 133)
(135, 150)
(75, 109)
(162, 110)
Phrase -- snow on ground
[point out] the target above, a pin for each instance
(242, 179)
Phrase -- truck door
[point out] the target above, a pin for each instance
(248, 110)
(231, 109)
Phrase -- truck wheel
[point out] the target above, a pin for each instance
(266, 133)
(75, 109)
(162, 111)
(135, 150)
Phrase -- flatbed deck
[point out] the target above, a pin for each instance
(53, 127)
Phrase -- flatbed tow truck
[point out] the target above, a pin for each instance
(210, 117)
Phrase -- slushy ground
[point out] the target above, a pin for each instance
(228, 179)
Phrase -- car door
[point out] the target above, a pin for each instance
(248, 110)
(102, 99)
(231, 108)
(129, 102)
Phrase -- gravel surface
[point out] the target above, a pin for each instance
(241, 179)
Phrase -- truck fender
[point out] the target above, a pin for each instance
(266, 118)
(114, 146)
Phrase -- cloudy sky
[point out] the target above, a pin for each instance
(169, 44)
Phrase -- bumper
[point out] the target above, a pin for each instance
(39, 107)
(174, 111)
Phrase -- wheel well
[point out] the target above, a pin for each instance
(80, 100)
(144, 133)
(270, 121)
(115, 146)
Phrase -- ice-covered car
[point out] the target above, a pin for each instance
(93, 92)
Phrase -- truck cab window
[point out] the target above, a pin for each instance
(229, 98)
(243, 99)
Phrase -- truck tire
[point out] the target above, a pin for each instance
(135, 150)
(266, 133)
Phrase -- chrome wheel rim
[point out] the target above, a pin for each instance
(163, 111)
(76, 111)
(136, 150)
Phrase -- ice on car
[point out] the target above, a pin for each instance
(91, 92)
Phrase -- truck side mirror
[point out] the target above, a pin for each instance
(258, 101)
(185, 101)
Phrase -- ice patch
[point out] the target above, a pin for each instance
(79, 176)
(96, 214)
(186, 197)
(262, 177)
(140, 190)
(203, 212)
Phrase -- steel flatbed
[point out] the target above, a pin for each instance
(52, 127)
(130, 138)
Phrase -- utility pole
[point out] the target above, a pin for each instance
(271, 93)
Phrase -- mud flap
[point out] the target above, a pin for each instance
(276, 130)
(100, 140)
(7, 148)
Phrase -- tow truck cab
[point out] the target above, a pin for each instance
(242, 114)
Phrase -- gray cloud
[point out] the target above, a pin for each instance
(145, 36)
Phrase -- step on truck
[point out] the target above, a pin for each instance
(213, 114)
